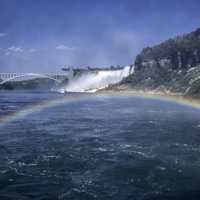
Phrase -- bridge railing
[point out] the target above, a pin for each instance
(4, 76)
(9, 77)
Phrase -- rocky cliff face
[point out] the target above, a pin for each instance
(173, 65)
(182, 52)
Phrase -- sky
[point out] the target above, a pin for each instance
(46, 35)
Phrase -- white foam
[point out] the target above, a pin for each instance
(93, 81)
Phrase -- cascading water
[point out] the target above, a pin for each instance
(92, 81)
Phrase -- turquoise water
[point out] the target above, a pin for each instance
(99, 147)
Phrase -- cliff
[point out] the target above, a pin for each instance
(172, 66)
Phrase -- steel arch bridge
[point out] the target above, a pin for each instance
(10, 77)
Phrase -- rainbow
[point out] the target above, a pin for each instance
(186, 101)
(39, 107)
(175, 98)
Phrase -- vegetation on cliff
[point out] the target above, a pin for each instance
(173, 65)
(181, 52)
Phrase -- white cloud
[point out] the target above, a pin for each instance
(15, 49)
(64, 48)
(3, 34)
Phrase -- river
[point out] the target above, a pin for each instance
(75, 146)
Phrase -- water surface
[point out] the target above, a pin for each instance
(99, 147)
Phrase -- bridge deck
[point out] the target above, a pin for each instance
(5, 77)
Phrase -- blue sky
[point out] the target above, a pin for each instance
(44, 35)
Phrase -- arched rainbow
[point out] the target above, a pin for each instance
(187, 101)
(39, 107)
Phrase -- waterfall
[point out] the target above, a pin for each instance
(92, 81)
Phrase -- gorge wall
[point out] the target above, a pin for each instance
(172, 66)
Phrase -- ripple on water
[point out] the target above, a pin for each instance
(113, 149)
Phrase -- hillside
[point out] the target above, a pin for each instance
(172, 66)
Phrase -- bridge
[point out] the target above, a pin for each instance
(11, 77)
